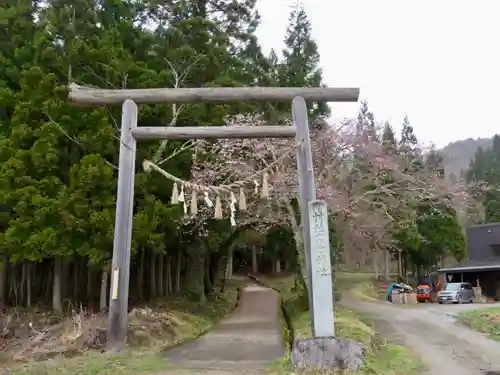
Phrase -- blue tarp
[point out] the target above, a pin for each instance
(390, 288)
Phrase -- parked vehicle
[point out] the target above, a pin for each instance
(424, 293)
(456, 293)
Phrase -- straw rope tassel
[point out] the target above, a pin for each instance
(181, 195)
(232, 208)
(265, 186)
(218, 208)
(175, 194)
(194, 203)
(242, 204)
(207, 199)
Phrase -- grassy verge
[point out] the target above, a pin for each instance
(181, 320)
(363, 287)
(485, 321)
(383, 357)
(359, 286)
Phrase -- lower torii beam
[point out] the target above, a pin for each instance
(213, 132)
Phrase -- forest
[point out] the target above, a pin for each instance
(483, 179)
(387, 197)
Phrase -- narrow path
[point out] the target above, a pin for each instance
(245, 341)
(446, 347)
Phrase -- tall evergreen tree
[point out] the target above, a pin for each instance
(434, 161)
(388, 137)
(477, 165)
(365, 124)
(408, 142)
(495, 148)
(301, 58)
(409, 147)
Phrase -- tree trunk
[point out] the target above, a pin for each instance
(76, 274)
(103, 298)
(161, 275)
(66, 285)
(28, 284)
(178, 272)
(299, 247)
(57, 287)
(278, 266)
(90, 283)
(207, 280)
(3, 281)
(152, 275)
(400, 265)
(50, 283)
(375, 263)
(405, 267)
(13, 285)
(195, 273)
(255, 266)
(386, 265)
(140, 276)
(229, 266)
(22, 287)
(169, 275)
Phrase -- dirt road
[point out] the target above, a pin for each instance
(244, 342)
(446, 347)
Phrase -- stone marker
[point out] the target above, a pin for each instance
(324, 350)
(327, 353)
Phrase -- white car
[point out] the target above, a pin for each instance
(456, 293)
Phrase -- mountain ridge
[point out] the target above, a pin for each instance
(457, 154)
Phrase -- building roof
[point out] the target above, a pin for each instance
(490, 264)
(485, 225)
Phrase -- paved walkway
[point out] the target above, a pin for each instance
(247, 340)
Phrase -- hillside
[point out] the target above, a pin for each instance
(456, 155)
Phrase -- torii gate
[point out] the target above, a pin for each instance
(317, 256)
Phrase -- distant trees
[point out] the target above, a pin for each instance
(484, 175)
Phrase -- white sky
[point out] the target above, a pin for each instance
(437, 61)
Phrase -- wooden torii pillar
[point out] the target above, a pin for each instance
(317, 256)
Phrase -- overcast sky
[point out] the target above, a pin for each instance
(437, 61)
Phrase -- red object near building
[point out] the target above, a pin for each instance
(424, 293)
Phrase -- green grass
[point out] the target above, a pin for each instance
(130, 362)
(359, 286)
(383, 357)
(485, 321)
(192, 320)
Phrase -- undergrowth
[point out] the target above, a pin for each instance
(168, 323)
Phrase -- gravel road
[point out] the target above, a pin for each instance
(446, 347)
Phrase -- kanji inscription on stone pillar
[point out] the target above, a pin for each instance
(321, 269)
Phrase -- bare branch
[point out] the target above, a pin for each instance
(74, 140)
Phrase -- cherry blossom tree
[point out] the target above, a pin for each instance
(367, 188)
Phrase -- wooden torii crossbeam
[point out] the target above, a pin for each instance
(320, 287)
